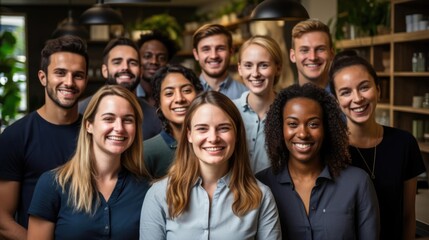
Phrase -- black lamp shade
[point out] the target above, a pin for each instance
(279, 10)
(102, 15)
(134, 1)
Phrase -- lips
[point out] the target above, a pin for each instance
(214, 149)
(68, 92)
(180, 109)
(116, 138)
(302, 146)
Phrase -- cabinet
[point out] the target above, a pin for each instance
(391, 55)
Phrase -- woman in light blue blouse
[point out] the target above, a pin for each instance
(259, 64)
(210, 191)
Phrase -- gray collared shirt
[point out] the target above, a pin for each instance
(255, 135)
(208, 220)
(344, 207)
(229, 87)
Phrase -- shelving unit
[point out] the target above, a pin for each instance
(398, 83)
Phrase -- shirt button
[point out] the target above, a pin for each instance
(257, 121)
(106, 208)
(253, 139)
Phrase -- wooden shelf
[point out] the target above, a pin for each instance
(411, 74)
(364, 41)
(424, 147)
(411, 36)
(383, 106)
(410, 109)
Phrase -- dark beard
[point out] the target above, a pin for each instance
(111, 80)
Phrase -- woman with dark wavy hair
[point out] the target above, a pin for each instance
(210, 191)
(174, 87)
(318, 195)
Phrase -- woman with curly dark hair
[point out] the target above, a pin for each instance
(317, 194)
(389, 155)
(174, 87)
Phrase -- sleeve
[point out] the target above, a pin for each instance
(46, 201)
(368, 214)
(268, 224)
(414, 162)
(149, 161)
(12, 154)
(153, 215)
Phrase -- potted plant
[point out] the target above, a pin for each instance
(9, 88)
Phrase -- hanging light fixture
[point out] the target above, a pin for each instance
(101, 14)
(135, 1)
(288, 10)
(70, 26)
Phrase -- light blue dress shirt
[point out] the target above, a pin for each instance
(205, 219)
(229, 87)
(255, 135)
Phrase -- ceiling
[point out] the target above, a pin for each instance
(196, 3)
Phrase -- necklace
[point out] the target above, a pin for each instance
(375, 155)
(366, 164)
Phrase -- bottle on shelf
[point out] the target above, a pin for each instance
(421, 62)
(425, 103)
(414, 61)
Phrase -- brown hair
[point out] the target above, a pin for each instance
(208, 30)
(185, 170)
(310, 25)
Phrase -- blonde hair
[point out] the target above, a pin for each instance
(270, 45)
(310, 25)
(78, 173)
(185, 169)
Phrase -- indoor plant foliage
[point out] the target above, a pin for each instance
(9, 88)
(164, 23)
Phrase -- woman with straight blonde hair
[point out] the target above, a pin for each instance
(99, 192)
(210, 190)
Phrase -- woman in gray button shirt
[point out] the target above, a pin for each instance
(210, 191)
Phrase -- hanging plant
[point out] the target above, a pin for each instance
(163, 23)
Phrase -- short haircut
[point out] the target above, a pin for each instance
(169, 44)
(310, 25)
(66, 43)
(209, 30)
(121, 41)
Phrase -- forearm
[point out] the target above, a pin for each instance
(409, 228)
(10, 229)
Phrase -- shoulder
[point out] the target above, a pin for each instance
(396, 134)
(153, 141)
(266, 176)
(83, 104)
(352, 175)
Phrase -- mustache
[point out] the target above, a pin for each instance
(118, 74)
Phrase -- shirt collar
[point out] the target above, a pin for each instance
(224, 85)
(223, 181)
(284, 176)
(169, 139)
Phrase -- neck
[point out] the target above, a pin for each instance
(214, 83)
(107, 167)
(365, 135)
(302, 171)
(57, 115)
(176, 130)
(322, 81)
(260, 104)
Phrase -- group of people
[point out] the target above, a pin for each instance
(160, 153)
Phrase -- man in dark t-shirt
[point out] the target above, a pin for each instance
(45, 138)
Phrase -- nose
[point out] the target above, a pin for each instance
(302, 132)
(255, 72)
(357, 97)
(312, 55)
(213, 53)
(178, 96)
(118, 125)
(212, 136)
(68, 80)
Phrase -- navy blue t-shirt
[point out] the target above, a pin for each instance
(28, 148)
(118, 218)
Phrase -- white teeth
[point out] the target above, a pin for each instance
(302, 145)
(180, 110)
(213, 148)
(312, 65)
(256, 81)
(116, 138)
(361, 109)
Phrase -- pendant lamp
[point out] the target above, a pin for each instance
(70, 26)
(101, 14)
(135, 1)
(288, 10)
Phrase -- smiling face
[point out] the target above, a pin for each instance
(114, 126)
(258, 69)
(65, 80)
(312, 54)
(177, 93)
(123, 67)
(356, 93)
(212, 136)
(153, 56)
(303, 129)
(213, 54)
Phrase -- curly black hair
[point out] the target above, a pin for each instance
(171, 46)
(159, 77)
(334, 151)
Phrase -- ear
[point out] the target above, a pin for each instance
(42, 77)
(195, 52)
(292, 55)
(104, 71)
(88, 126)
(239, 69)
(189, 136)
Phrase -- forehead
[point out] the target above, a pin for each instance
(67, 60)
(255, 51)
(114, 104)
(209, 114)
(174, 79)
(153, 46)
(316, 38)
(213, 40)
(123, 51)
(301, 106)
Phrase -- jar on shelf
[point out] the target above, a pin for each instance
(425, 103)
